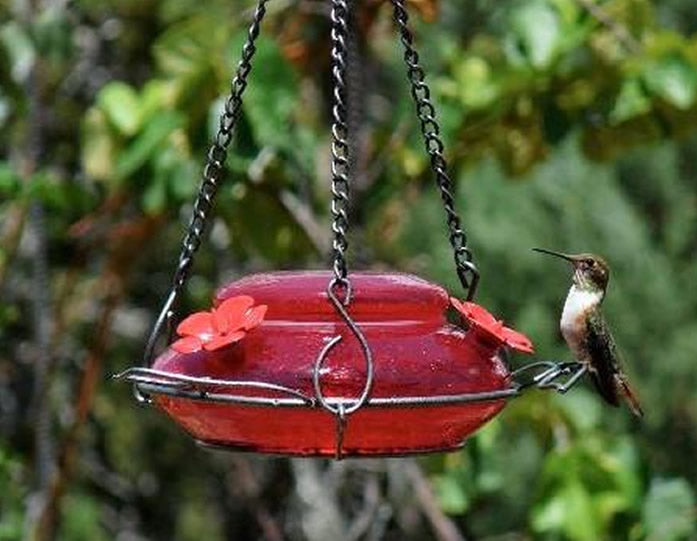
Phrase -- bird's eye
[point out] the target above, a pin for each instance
(589, 263)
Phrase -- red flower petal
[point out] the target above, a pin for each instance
(230, 314)
(475, 312)
(188, 344)
(482, 322)
(457, 305)
(478, 316)
(199, 324)
(491, 331)
(223, 340)
(518, 341)
(254, 317)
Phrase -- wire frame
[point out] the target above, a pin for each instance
(150, 383)
(558, 376)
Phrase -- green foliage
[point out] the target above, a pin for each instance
(10, 184)
(593, 478)
(271, 102)
(673, 79)
(669, 510)
(566, 128)
(535, 36)
(81, 516)
(13, 476)
(589, 470)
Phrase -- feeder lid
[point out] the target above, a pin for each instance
(302, 296)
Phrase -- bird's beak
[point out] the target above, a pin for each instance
(556, 254)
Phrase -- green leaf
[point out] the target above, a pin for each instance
(631, 102)
(263, 226)
(583, 409)
(549, 516)
(184, 180)
(580, 522)
(187, 52)
(52, 33)
(147, 142)
(535, 33)
(569, 511)
(10, 185)
(155, 196)
(20, 50)
(181, 174)
(674, 79)
(270, 101)
(98, 152)
(451, 495)
(155, 96)
(669, 510)
(81, 517)
(120, 103)
(474, 81)
(58, 194)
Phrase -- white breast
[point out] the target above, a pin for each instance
(578, 301)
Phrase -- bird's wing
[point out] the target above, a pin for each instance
(602, 349)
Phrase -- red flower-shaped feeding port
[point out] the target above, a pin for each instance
(224, 325)
(490, 329)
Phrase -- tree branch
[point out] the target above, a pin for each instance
(247, 484)
(443, 527)
(618, 29)
(124, 249)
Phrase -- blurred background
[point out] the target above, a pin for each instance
(569, 124)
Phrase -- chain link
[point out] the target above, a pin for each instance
(430, 129)
(340, 165)
(211, 176)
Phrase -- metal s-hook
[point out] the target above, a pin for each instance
(322, 357)
(344, 408)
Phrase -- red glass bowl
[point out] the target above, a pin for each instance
(417, 355)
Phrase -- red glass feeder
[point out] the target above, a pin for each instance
(434, 383)
(366, 366)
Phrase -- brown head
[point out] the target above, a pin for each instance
(591, 272)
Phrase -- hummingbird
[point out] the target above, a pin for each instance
(587, 333)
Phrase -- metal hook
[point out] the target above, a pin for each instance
(322, 357)
(161, 324)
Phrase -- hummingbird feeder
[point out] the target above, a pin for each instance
(335, 363)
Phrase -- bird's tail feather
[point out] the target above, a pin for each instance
(629, 394)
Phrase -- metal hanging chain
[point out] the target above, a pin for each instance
(340, 165)
(211, 177)
(466, 269)
(339, 289)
